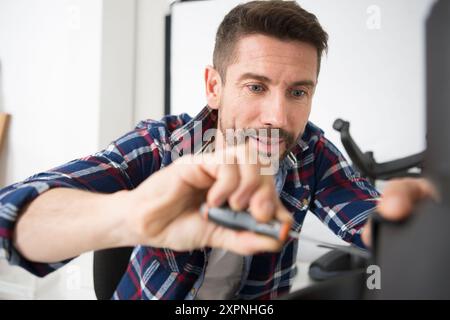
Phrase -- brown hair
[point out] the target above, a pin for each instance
(284, 20)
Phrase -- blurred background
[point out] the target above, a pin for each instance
(76, 74)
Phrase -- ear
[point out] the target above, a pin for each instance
(213, 84)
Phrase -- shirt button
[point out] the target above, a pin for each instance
(305, 203)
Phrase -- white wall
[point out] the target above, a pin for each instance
(50, 81)
(150, 59)
(117, 69)
(67, 79)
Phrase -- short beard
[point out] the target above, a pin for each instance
(242, 135)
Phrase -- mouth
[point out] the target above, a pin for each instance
(268, 145)
(267, 140)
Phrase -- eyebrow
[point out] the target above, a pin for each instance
(250, 75)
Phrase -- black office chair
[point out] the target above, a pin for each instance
(365, 162)
(109, 267)
(336, 263)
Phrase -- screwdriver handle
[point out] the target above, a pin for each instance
(243, 220)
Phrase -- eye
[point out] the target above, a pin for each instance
(298, 93)
(256, 88)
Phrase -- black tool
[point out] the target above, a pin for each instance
(243, 220)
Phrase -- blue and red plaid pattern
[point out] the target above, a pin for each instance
(318, 179)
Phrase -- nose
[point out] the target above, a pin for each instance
(274, 112)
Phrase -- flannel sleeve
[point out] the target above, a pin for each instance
(342, 199)
(124, 164)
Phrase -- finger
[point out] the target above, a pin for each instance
(226, 162)
(366, 234)
(282, 214)
(243, 242)
(193, 173)
(202, 172)
(227, 181)
(263, 203)
(250, 180)
(395, 206)
(400, 196)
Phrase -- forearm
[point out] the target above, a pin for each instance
(63, 223)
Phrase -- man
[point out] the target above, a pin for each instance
(145, 191)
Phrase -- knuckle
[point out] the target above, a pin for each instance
(250, 183)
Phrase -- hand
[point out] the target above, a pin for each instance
(164, 209)
(398, 200)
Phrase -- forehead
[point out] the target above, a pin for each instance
(265, 54)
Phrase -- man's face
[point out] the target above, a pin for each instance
(269, 86)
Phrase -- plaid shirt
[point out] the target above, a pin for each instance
(318, 178)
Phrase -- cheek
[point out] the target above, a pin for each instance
(238, 110)
(298, 118)
(247, 115)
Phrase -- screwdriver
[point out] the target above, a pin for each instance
(243, 220)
